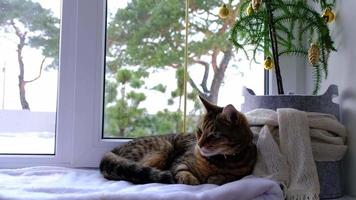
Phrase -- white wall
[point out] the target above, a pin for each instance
(293, 74)
(342, 72)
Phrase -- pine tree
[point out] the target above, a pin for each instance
(278, 27)
(35, 27)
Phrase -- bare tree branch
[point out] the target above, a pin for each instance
(39, 74)
(204, 82)
(175, 66)
(17, 30)
(226, 59)
(194, 86)
(214, 56)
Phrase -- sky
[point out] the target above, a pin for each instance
(42, 94)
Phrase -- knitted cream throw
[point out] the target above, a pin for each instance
(288, 143)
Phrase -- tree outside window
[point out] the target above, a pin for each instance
(146, 38)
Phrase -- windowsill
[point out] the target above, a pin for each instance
(58, 183)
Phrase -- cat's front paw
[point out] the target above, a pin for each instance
(184, 177)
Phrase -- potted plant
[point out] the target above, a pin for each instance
(279, 28)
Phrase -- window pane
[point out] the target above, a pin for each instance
(29, 45)
(144, 66)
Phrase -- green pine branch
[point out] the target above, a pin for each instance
(294, 21)
(317, 79)
(294, 52)
(323, 60)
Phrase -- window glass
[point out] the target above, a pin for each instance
(145, 60)
(29, 46)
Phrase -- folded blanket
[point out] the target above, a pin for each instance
(40, 183)
(288, 143)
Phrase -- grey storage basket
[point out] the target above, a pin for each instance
(329, 172)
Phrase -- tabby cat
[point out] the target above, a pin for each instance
(220, 151)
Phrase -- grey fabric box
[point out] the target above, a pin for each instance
(329, 172)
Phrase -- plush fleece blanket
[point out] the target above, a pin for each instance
(40, 183)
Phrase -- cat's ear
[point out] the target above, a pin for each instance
(210, 107)
(231, 113)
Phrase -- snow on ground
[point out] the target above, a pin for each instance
(27, 143)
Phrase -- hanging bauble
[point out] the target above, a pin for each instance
(224, 12)
(256, 4)
(313, 54)
(268, 63)
(249, 10)
(328, 15)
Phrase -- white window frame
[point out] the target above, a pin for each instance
(89, 145)
(81, 74)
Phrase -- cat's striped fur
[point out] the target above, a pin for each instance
(220, 151)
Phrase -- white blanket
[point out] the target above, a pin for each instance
(40, 183)
(288, 143)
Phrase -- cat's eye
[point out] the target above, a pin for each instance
(216, 134)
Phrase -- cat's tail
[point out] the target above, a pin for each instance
(115, 167)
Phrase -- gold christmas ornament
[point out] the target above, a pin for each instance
(249, 10)
(328, 15)
(268, 63)
(256, 4)
(313, 54)
(224, 12)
